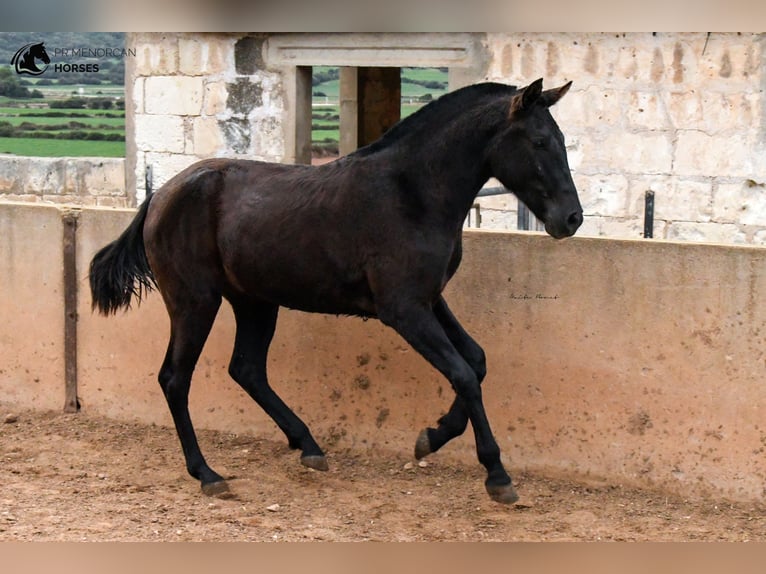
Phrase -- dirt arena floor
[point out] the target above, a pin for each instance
(84, 478)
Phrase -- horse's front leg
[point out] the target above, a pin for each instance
(454, 423)
(419, 326)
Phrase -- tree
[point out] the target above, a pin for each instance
(11, 87)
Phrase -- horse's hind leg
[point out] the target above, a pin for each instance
(453, 423)
(189, 330)
(255, 329)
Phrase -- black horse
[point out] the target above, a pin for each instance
(374, 234)
(24, 60)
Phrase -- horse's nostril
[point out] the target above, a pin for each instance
(575, 219)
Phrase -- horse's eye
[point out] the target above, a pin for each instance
(539, 143)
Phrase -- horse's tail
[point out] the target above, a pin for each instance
(120, 270)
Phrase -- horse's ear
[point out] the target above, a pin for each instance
(526, 98)
(550, 97)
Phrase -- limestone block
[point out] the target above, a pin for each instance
(684, 200)
(215, 96)
(173, 95)
(159, 133)
(190, 56)
(220, 54)
(743, 202)
(715, 111)
(626, 64)
(156, 54)
(267, 138)
(647, 111)
(645, 152)
(685, 109)
(203, 55)
(207, 137)
(47, 176)
(13, 171)
(700, 154)
(597, 106)
(103, 177)
(604, 195)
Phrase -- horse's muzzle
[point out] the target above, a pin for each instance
(565, 227)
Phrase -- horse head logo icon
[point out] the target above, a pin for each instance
(25, 59)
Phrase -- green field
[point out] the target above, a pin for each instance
(61, 147)
(37, 127)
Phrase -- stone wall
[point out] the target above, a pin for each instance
(71, 180)
(679, 114)
(682, 115)
(192, 96)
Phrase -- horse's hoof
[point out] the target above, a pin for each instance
(422, 445)
(218, 488)
(503, 493)
(315, 461)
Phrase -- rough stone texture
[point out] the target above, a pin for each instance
(80, 181)
(210, 98)
(678, 114)
(176, 95)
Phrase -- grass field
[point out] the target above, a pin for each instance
(29, 127)
(38, 147)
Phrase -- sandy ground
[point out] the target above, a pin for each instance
(80, 477)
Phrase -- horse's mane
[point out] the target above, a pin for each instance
(437, 112)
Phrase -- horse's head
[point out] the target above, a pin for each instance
(529, 158)
(38, 51)
(24, 60)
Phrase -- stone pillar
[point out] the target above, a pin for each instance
(349, 110)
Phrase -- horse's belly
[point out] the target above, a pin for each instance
(306, 285)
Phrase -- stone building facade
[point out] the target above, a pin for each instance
(682, 115)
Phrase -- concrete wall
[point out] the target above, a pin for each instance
(679, 114)
(64, 180)
(31, 306)
(635, 361)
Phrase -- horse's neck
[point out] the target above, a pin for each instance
(453, 162)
